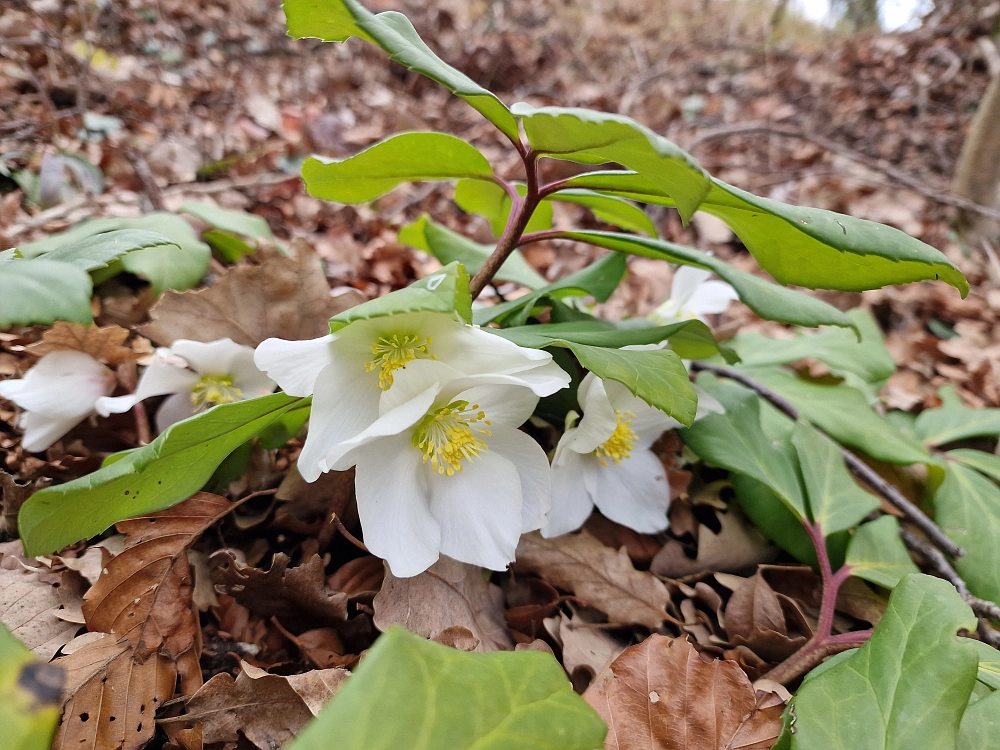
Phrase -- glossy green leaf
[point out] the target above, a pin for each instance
(843, 413)
(588, 137)
(99, 250)
(610, 209)
(802, 246)
(30, 701)
(955, 421)
(445, 291)
(967, 508)
(985, 463)
(229, 246)
(338, 20)
(156, 476)
(736, 441)
(235, 222)
(989, 665)
(981, 724)
(448, 246)
(906, 688)
(769, 301)
(39, 292)
(490, 200)
(836, 502)
(407, 157)
(877, 554)
(773, 518)
(416, 694)
(599, 280)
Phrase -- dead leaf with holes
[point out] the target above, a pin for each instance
(663, 695)
(737, 547)
(602, 577)
(448, 594)
(282, 296)
(36, 610)
(267, 709)
(104, 344)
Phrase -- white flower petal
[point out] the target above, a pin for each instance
(634, 493)
(599, 418)
(478, 510)
(213, 357)
(711, 297)
(648, 423)
(707, 404)
(571, 501)
(63, 384)
(533, 469)
(295, 365)
(42, 430)
(415, 378)
(393, 506)
(503, 404)
(157, 380)
(475, 351)
(545, 379)
(685, 283)
(175, 409)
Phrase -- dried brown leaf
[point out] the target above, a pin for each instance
(586, 651)
(104, 344)
(446, 595)
(663, 695)
(268, 709)
(599, 575)
(284, 296)
(738, 546)
(31, 605)
(12, 497)
(755, 618)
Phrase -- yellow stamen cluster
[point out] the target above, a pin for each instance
(447, 435)
(619, 446)
(214, 389)
(393, 352)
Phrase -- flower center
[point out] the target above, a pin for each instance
(393, 352)
(447, 435)
(211, 390)
(618, 447)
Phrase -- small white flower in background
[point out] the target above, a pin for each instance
(57, 394)
(348, 372)
(444, 469)
(606, 461)
(220, 372)
(693, 296)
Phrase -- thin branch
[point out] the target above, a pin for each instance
(149, 187)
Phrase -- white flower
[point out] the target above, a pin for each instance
(57, 394)
(444, 469)
(348, 372)
(692, 296)
(221, 372)
(606, 461)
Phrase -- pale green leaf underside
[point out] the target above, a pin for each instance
(490, 200)
(407, 157)
(610, 209)
(981, 724)
(40, 292)
(985, 463)
(955, 421)
(415, 694)
(99, 250)
(877, 554)
(989, 665)
(236, 222)
(338, 20)
(167, 471)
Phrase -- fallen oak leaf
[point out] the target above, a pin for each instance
(599, 575)
(738, 546)
(663, 695)
(103, 344)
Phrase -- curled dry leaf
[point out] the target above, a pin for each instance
(586, 651)
(737, 547)
(755, 617)
(104, 344)
(663, 695)
(446, 595)
(604, 578)
(268, 709)
(284, 296)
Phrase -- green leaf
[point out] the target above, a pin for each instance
(445, 291)
(955, 421)
(588, 137)
(490, 200)
(156, 476)
(30, 705)
(877, 554)
(907, 687)
(407, 157)
(448, 246)
(417, 694)
(338, 20)
(773, 518)
(989, 665)
(39, 292)
(235, 222)
(985, 463)
(735, 441)
(799, 245)
(980, 724)
(843, 413)
(229, 246)
(610, 209)
(99, 250)
(836, 502)
(768, 300)
(967, 508)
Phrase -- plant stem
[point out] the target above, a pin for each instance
(521, 210)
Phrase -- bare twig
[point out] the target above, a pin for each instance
(149, 187)
(335, 520)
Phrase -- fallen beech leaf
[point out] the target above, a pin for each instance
(104, 344)
(30, 608)
(298, 596)
(642, 548)
(663, 695)
(586, 651)
(358, 576)
(755, 618)
(599, 575)
(268, 709)
(448, 594)
(285, 296)
(738, 546)
(529, 601)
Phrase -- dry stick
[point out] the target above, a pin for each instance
(859, 467)
(149, 187)
(879, 165)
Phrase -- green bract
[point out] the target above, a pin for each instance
(415, 694)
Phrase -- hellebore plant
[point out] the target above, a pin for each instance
(693, 297)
